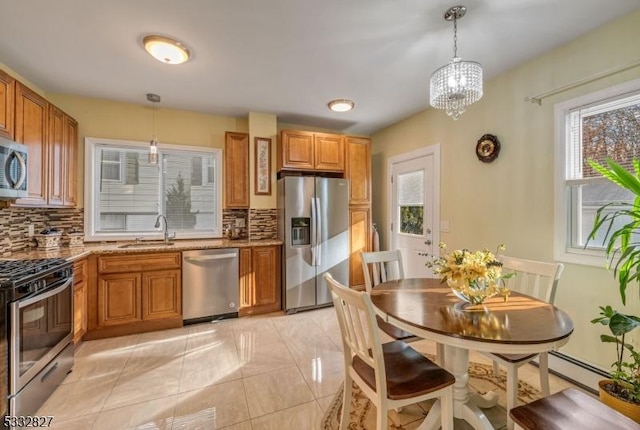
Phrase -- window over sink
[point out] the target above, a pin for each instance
(124, 194)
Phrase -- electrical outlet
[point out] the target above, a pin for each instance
(444, 226)
(240, 222)
(31, 230)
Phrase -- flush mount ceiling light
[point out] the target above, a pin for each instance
(458, 84)
(165, 49)
(341, 105)
(153, 143)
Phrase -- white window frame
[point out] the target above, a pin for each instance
(563, 251)
(92, 178)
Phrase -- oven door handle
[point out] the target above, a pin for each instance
(45, 295)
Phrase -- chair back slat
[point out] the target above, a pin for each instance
(384, 266)
(358, 326)
(534, 278)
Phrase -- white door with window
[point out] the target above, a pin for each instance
(415, 208)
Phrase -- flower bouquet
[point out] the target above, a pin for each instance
(473, 276)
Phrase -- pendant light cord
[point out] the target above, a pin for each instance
(153, 120)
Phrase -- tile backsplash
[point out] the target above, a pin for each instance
(263, 224)
(14, 225)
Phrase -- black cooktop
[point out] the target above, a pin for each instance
(13, 272)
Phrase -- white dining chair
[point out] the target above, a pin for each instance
(383, 266)
(391, 375)
(536, 279)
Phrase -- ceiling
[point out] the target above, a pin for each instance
(285, 57)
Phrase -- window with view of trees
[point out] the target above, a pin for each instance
(596, 130)
(128, 193)
(411, 202)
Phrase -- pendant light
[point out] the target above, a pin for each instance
(153, 144)
(458, 84)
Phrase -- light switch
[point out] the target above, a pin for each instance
(240, 222)
(444, 226)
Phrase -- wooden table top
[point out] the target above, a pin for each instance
(429, 305)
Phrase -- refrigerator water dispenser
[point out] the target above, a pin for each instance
(300, 233)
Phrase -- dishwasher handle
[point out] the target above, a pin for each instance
(210, 257)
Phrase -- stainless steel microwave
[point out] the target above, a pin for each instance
(13, 170)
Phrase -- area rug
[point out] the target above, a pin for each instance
(481, 380)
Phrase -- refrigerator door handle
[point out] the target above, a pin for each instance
(313, 232)
(319, 233)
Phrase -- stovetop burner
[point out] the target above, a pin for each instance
(14, 271)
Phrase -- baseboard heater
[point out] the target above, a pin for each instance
(575, 371)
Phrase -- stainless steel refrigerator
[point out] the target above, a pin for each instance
(313, 223)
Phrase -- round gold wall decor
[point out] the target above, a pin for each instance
(488, 148)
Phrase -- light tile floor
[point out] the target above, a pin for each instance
(268, 372)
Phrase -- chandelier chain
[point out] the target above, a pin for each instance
(455, 37)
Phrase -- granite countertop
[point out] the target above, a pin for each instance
(77, 253)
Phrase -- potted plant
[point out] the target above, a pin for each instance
(622, 391)
(621, 223)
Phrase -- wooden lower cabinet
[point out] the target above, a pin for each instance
(259, 280)
(79, 300)
(135, 293)
(119, 299)
(359, 241)
(161, 294)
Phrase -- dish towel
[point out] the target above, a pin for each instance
(375, 239)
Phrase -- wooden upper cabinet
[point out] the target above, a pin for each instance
(7, 106)
(303, 150)
(329, 152)
(56, 157)
(71, 155)
(359, 170)
(31, 129)
(295, 151)
(236, 170)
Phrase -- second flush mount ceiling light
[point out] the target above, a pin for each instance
(165, 49)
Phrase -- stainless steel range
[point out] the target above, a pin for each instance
(36, 348)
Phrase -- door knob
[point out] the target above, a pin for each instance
(428, 231)
(427, 242)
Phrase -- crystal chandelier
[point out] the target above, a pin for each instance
(459, 83)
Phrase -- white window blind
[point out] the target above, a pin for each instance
(411, 188)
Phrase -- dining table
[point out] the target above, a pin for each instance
(519, 324)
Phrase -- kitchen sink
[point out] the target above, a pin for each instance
(145, 244)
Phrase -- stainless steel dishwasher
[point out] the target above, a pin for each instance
(210, 284)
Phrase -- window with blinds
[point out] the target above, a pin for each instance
(411, 202)
(127, 193)
(604, 129)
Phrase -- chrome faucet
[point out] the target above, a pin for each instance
(166, 227)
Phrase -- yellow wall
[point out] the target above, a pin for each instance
(263, 125)
(116, 120)
(511, 200)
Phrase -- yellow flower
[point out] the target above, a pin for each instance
(475, 275)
